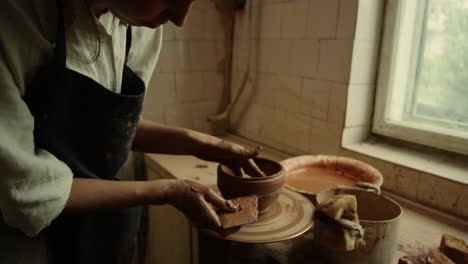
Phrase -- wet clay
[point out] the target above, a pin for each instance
(247, 213)
(316, 179)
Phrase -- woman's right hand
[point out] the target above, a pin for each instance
(198, 202)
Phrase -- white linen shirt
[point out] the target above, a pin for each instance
(34, 184)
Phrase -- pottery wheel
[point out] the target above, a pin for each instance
(288, 217)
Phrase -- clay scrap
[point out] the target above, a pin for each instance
(434, 257)
(247, 213)
(340, 222)
(454, 248)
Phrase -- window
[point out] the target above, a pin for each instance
(422, 93)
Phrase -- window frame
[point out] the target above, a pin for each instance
(392, 68)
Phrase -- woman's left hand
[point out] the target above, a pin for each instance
(156, 138)
(218, 150)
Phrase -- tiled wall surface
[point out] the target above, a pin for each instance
(313, 73)
(300, 60)
(313, 70)
(189, 79)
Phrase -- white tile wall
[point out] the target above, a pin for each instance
(214, 24)
(294, 17)
(298, 125)
(306, 58)
(365, 61)
(369, 22)
(314, 64)
(360, 105)
(316, 98)
(188, 83)
(270, 21)
(303, 53)
(324, 138)
(347, 19)
(335, 59)
(189, 86)
(180, 115)
(338, 104)
(287, 94)
(323, 19)
(273, 124)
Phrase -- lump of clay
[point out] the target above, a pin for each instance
(339, 223)
(454, 248)
(247, 213)
(434, 257)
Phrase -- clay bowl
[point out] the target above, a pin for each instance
(266, 188)
(310, 174)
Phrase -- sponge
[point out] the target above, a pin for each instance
(337, 223)
(247, 213)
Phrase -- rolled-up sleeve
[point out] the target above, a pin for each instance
(34, 184)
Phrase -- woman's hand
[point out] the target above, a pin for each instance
(218, 150)
(156, 138)
(198, 203)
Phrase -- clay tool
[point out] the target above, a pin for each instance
(243, 173)
(229, 171)
(247, 213)
(256, 169)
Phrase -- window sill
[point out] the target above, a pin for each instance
(443, 164)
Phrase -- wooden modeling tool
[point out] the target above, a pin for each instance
(243, 174)
(256, 169)
(229, 171)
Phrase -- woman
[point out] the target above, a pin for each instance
(73, 76)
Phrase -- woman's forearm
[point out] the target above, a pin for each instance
(94, 194)
(156, 138)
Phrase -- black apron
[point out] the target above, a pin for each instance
(91, 129)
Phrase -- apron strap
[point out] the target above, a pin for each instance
(129, 43)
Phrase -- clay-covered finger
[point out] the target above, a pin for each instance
(235, 151)
(211, 217)
(219, 202)
(196, 186)
(245, 153)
